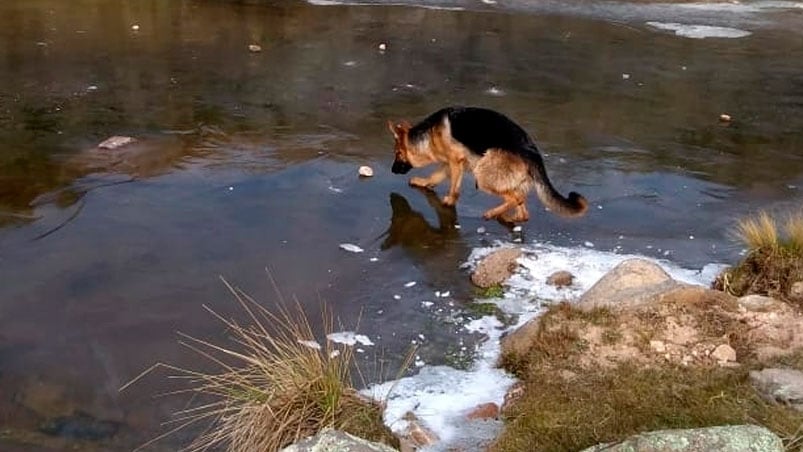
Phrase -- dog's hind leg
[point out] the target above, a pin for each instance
(511, 201)
(520, 216)
(434, 179)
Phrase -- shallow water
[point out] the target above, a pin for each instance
(248, 160)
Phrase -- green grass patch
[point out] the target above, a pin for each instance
(608, 405)
(495, 291)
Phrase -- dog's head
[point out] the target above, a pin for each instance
(401, 161)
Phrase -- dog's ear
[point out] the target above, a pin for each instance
(392, 129)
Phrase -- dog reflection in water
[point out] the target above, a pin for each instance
(409, 229)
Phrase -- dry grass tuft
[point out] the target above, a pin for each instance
(794, 232)
(774, 261)
(760, 232)
(608, 405)
(274, 385)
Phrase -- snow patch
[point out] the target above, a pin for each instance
(441, 397)
(349, 338)
(311, 344)
(351, 248)
(700, 31)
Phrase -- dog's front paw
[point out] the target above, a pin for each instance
(449, 200)
(418, 182)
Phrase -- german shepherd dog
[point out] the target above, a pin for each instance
(503, 158)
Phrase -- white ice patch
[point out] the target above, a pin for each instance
(586, 264)
(349, 338)
(311, 344)
(351, 248)
(441, 396)
(381, 3)
(700, 31)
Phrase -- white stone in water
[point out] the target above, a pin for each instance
(410, 284)
(116, 142)
(366, 171)
(625, 76)
(351, 248)
(254, 48)
(724, 117)
(481, 230)
(383, 46)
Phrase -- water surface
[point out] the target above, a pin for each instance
(247, 161)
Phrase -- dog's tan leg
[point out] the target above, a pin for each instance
(520, 216)
(510, 201)
(456, 179)
(429, 182)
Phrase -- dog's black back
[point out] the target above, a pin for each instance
(480, 129)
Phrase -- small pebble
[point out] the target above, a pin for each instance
(481, 230)
(254, 48)
(625, 76)
(397, 297)
(366, 171)
(517, 229)
(135, 27)
(383, 46)
(724, 117)
(409, 284)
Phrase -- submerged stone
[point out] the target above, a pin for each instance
(80, 425)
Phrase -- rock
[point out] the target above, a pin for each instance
(518, 341)
(796, 291)
(496, 267)
(336, 441)
(724, 117)
(658, 346)
(484, 411)
(757, 302)
(724, 354)
(254, 48)
(560, 278)
(731, 438)
(116, 142)
(417, 433)
(81, 426)
(511, 396)
(781, 385)
(383, 46)
(629, 283)
(366, 171)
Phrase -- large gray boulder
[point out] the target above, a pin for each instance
(636, 283)
(633, 282)
(730, 438)
(780, 385)
(336, 441)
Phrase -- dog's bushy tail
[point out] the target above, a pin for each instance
(574, 205)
